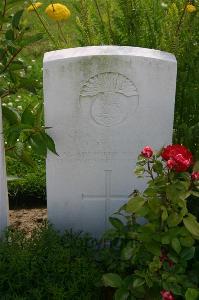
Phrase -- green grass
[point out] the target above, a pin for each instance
(48, 266)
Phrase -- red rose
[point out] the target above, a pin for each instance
(195, 176)
(147, 152)
(167, 295)
(178, 157)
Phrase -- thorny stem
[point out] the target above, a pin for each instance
(43, 24)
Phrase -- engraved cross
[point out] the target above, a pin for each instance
(107, 197)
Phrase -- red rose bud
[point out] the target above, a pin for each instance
(195, 176)
(167, 295)
(178, 157)
(147, 152)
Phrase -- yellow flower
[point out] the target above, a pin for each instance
(190, 8)
(34, 6)
(58, 12)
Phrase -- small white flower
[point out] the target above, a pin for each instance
(29, 147)
(4, 104)
(19, 96)
(10, 104)
(19, 107)
(33, 60)
(29, 67)
(164, 5)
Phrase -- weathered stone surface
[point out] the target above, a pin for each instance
(103, 104)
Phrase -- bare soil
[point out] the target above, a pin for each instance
(27, 219)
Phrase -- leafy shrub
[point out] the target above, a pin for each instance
(158, 255)
(48, 266)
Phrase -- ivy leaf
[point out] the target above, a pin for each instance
(134, 204)
(192, 294)
(192, 225)
(112, 280)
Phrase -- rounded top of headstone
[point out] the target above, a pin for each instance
(106, 51)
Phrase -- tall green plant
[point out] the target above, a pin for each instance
(24, 132)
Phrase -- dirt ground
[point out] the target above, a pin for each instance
(27, 219)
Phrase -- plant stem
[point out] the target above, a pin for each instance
(150, 170)
(11, 60)
(4, 12)
(179, 26)
(43, 24)
(61, 32)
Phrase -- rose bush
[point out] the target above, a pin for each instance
(153, 254)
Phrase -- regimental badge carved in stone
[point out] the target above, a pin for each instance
(113, 97)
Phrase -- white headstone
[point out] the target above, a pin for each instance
(3, 182)
(104, 104)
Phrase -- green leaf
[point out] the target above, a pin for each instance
(9, 35)
(187, 241)
(10, 115)
(134, 204)
(175, 243)
(38, 144)
(121, 294)
(30, 40)
(164, 213)
(158, 167)
(28, 117)
(187, 253)
(192, 226)
(153, 247)
(16, 65)
(139, 171)
(50, 144)
(116, 223)
(138, 282)
(192, 294)
(112, 280)
(127, 252)
(174, 219)
(16, 19)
